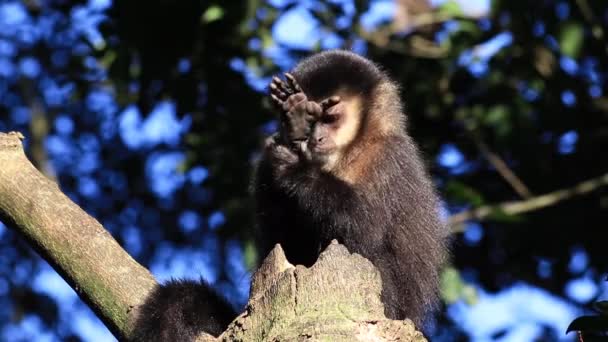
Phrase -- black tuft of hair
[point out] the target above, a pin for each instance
(323, 73)
(180, 310)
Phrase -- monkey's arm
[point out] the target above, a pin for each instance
(321, 195)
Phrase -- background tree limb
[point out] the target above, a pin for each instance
(531, 204)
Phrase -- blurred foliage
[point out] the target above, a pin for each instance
(527, 79)
(454, 288)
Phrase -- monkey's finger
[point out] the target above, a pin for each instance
(284, 86)
(279, 90)
(293, 83)
(330, 102)
(279, 94)
(303, 151)
(276, 101)
(270, 141)
(314, 109)
(278, 85)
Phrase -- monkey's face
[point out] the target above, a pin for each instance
(335, 130)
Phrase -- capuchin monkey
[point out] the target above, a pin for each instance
(341, 167)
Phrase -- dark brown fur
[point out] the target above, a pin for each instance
(180, 310)
(377, 199)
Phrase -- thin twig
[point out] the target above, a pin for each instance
(39, 129)
(503, 169)
(534, 203)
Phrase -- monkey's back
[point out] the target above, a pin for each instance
(405, 209)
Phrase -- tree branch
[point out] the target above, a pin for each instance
(503, 169)
(74, 243)
(534, 203)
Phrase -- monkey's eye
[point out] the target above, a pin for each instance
(329, 119)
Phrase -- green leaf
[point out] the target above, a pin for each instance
(469, 27)
(571, 39)
(451, 8)
(461, 192)
(212, 13)
(250, 254)
(451, 285)
(589, 324)
(496, 115)
(469, 294)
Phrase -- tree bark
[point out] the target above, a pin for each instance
(336, 299)
(74, 243)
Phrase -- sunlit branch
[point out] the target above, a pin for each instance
(532, 204)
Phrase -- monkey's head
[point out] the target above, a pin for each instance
(369, 104)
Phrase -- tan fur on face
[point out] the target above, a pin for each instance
(348, 130)
(362, 142)
(350, 127)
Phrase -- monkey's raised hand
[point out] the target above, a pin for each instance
(297, 113)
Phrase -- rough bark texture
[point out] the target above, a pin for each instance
(337, 299)
(74, 243)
